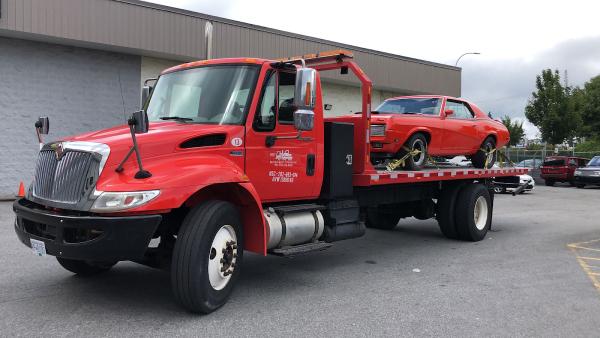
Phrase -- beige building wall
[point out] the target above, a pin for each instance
(348, 99)
(151, 67)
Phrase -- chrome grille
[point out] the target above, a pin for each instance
(378, 130)
(62, 180)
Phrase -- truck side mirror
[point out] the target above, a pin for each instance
(304, 120)
(449, 112)
(43, 125)
(139, 121)
(304, 92)
(146, 90)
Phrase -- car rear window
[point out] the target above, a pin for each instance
(554, 162)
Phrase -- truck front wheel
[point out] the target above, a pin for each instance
(84, 268)
(207, 256)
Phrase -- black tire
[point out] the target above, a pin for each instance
(445, 210)
(500, 190)
(84, 268)
(380, 218)
(549, 183)
(417, 141)
(572, 183)
(580, 185)
(472, 226)
(480, 157)
(193, 250)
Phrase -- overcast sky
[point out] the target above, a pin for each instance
(516, 39)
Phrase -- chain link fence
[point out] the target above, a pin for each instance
(517, 155)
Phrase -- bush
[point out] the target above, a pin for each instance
(592, 145)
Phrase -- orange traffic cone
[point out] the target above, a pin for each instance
(21, 190)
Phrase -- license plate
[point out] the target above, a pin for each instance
(38, 247)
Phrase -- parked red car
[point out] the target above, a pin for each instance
(437, 126)
(561, 169)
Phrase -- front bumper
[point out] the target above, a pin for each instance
(587, 179)
(85, 237)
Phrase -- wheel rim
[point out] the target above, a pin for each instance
(419, 145)
(222, 257)
(498, 190)
(480, 213)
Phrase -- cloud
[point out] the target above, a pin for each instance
(504, 86)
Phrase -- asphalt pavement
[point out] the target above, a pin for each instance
(522, 280)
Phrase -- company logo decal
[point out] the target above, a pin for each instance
(282, 158)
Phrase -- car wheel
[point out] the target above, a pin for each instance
(418, 144)
(485, 157)
(580, 186)
(549, 183)
(84, 268)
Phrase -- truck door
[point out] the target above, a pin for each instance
(279, 168)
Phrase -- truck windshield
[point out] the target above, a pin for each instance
(427, 106)
(218, 94)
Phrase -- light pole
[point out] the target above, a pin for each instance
(469, 53)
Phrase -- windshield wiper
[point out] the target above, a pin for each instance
(178, 118)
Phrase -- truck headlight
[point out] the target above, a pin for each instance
(577, 172)
(117, 201)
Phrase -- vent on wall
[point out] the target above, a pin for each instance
(204, 141)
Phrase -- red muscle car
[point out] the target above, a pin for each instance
(434, 125)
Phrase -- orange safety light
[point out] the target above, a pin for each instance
(320, 57)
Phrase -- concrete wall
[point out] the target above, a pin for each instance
(77, 88)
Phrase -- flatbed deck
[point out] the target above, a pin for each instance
(381, 177)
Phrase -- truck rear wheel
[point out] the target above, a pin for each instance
(84, 268)
(207, 256)
(473, 212)
(445, 210)
(380, 218)
(549, 183)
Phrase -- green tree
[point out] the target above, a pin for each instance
(548, 109)
(590, 108)
(515, 128)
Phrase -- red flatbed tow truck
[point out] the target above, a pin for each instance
(232, 155)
